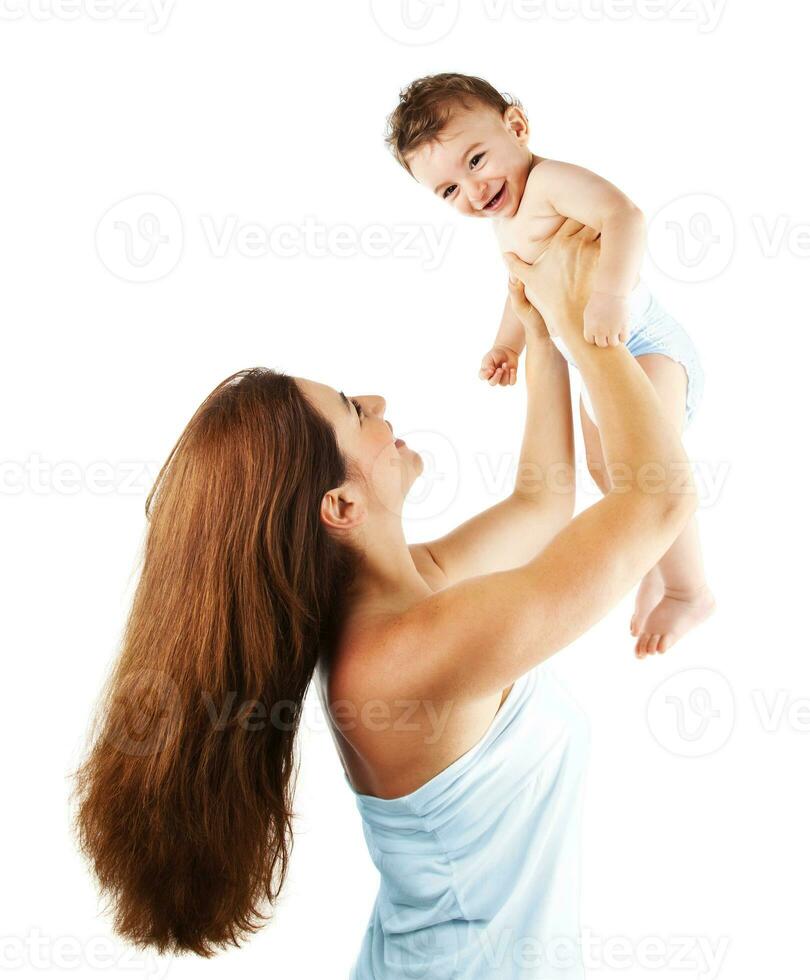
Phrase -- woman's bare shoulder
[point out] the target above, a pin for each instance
(385, 715)
(372, 653)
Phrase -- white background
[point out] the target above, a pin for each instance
(271, 115)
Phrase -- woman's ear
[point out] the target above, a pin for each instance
(342, 509)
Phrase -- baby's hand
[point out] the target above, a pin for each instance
(606, 320)
(499, 366)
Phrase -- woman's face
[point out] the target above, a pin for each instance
(387, 463)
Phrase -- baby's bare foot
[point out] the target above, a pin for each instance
(675, 615)
(650, 591)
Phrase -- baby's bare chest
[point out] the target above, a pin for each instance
(524, 235)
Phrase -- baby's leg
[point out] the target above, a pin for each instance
(673, 597)
(651, 588)
(687, 599)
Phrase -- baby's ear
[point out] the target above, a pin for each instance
(517, 123)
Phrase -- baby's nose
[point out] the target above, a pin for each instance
(478, 194)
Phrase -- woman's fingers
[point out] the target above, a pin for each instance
(517, 267)
(529, 315)
(520, 304)
(517, 297)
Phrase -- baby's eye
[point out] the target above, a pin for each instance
(448, 191)
(474, 160)
(357, 405)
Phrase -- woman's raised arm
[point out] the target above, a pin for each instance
(510, 532)
(485, 632)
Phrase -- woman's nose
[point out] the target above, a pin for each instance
(372, 404)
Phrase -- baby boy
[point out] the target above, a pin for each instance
(468, 144)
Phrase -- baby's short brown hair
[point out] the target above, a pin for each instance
(425, 106)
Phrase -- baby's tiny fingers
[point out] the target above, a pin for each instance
(487, 367)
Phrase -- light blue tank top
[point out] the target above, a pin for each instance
(479, 867)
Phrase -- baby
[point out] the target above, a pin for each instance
(468, 143)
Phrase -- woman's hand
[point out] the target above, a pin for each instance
(529, 316)
(559, 282)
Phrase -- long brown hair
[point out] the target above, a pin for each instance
(185, 797)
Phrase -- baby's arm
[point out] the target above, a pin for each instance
(578, 193)
(511, 332)
(499, 365)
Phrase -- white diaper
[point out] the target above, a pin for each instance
(654, 331)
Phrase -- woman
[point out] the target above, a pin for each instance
(275, 550)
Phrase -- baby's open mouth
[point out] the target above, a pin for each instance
(493, 202)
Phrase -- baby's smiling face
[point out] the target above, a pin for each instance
(480, 162)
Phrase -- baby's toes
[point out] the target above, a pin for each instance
(664, 642)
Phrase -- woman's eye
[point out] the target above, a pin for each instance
(358, 407)
(448, 191)
(474, 160)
